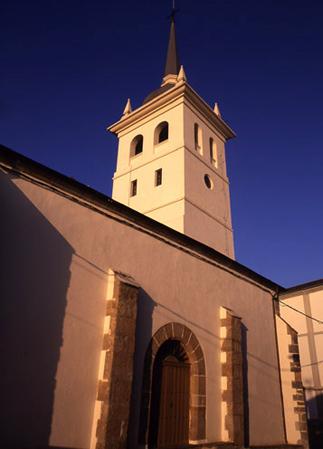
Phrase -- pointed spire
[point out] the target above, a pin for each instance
(172, 61)
(181, 77)
(128, 108)
(217, 110)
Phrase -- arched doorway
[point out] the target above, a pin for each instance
(169, 412)
(174, 351)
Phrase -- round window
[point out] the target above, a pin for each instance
(208, 182)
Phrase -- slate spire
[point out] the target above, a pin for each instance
(172, 65)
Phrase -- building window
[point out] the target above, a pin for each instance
(161, 133)
(133, 188)
(158, 177)
(198, 138)
(213, 155)
(136, 146)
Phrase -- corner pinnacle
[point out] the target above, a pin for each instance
(181, 77)
(128, 108)
(217, 110)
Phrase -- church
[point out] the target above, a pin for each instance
(127, 322)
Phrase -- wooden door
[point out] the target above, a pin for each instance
(173, 422)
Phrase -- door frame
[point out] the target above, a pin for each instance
(197, 409)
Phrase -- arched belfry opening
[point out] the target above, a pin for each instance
(174, 392)
(161, 133)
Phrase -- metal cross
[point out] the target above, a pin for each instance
(174, 11)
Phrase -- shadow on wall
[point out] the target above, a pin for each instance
(34, 278)
(138, 411)
(315, 425)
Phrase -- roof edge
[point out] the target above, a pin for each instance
(311, 285)
(15, 162)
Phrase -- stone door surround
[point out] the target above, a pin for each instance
(181, 333)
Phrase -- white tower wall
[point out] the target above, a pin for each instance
(207, 210)
(183, 201)
(167, 155)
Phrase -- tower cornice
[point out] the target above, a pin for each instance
(181, 89)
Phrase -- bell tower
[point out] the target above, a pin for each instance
(171, 159)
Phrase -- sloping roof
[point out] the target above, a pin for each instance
(157, 92)
(20, 165)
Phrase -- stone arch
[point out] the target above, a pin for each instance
(197, 409)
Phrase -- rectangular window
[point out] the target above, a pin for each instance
(133, 188)
(158, 177)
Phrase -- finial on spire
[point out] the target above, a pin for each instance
(173, 13)
(172, 61)
(217, 110)
(128, 108)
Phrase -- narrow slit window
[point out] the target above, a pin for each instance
(213, 155)
(133, 187)
(198, 138)
(196, 135)
(158, 177)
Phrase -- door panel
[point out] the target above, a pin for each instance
(174, 404)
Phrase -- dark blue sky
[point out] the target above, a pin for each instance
(67, 69)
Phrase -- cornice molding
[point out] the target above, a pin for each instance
(183, 90)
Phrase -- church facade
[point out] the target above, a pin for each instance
(130, 323)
